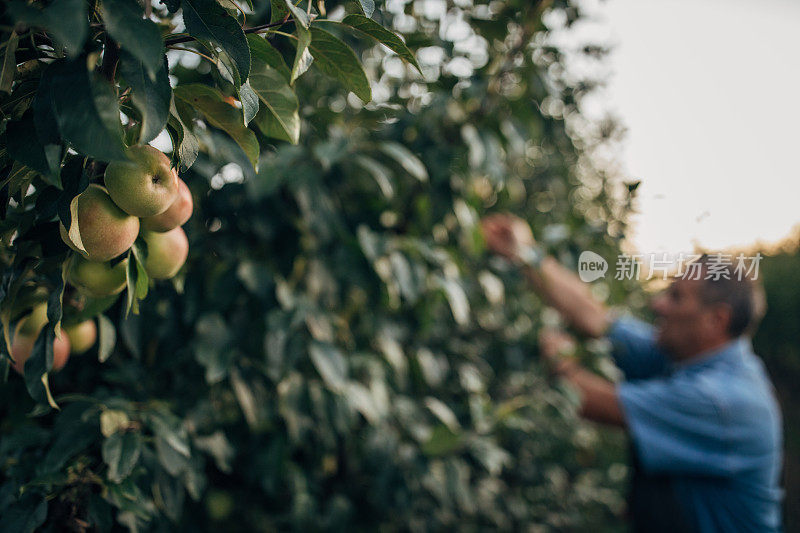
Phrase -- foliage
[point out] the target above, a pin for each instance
(777, 341)
(339, 351)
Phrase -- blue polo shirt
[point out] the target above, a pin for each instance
(711, 425)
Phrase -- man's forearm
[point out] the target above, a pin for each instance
(599, 401)
(570, 296)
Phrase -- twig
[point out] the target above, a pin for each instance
(255, 29)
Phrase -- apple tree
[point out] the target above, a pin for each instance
(338, 350)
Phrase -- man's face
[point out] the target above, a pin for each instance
(683, 320)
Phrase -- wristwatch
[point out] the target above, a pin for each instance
(532, 256)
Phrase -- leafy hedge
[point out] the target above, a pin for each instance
(339, 350)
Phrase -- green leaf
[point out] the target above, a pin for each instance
(189, 147)
(261, 50)
(86, 110)
(24, 146)
(278, 10)
(18, 179)
(121, 453)
(220, 114)
(136, 35)
(302, 56)
(26, 514)
(382, 175)
(43, 114)
(279, 116)
(65, 20)
(107, 338)
(9, 68)
(405, 158)
(249, 100)
(443, 441)
(372, 29)
(218, 446)
(338, 61)
(330, 363)
(207, 20)
(137, 279)
(150, 95)
(367, 7)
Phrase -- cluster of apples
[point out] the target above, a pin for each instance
(143, 197)
(74, 339)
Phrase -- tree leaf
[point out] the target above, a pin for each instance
(150, 95)
(382, 175)
(26, 514)
(86, 111)
(261, 50)
(65, 20)
(23, 145)
(386, 37)
(136, 278)
(136, 35)
(209, 21)
(405, 158)
(107, 338)
(338, 61)
(121, 453)
(279, 116)
(330, 363)
(249, 100)
(9, 68)
(189, 147)
(367, 7)
(302, 56)
(278, 10)
(221, 115)
(43, 114)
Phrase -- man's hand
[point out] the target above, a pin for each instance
(507, 235)
(599, 401)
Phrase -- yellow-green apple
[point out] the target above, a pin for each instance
(145, 184)
(166, 252)
(97, 278)
(34, 322)
(176, 214)
(82, 336)
(22, 347)
(106, 231)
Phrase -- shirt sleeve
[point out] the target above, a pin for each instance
(676, 428)
(634, 348)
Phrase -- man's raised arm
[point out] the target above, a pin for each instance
(511, 237)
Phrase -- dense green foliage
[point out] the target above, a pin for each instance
(339, 350)
(777, 341)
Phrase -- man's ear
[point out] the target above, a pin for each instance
(721, 315)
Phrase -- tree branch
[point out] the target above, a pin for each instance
(255, 29)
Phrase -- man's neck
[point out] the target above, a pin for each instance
(703, 350)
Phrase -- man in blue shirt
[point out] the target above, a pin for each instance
(696, 401)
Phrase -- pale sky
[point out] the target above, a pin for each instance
(709, 91)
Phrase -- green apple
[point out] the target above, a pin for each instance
(106, 231)
(34, 322)
(176, 214)
(166, 253)
(22, 347)
(82, 336)
(145, 185)
(97, 278)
